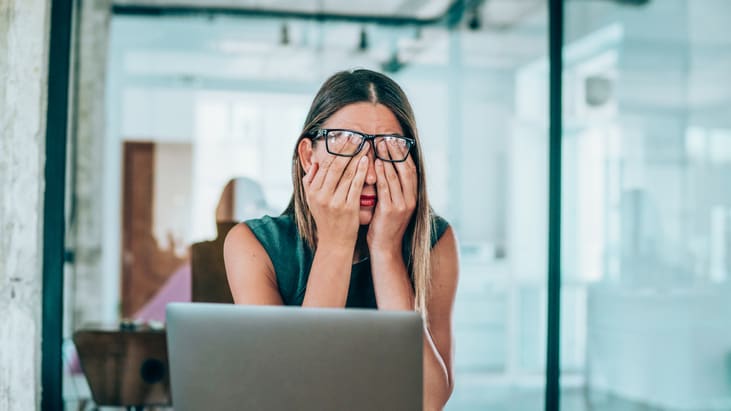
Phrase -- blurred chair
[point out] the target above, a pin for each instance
(242, 199)
(209, 282)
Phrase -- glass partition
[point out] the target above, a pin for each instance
(647, 206)
(200, 114)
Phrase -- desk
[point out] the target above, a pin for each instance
(125, 368)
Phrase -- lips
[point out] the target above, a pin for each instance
(367, 201)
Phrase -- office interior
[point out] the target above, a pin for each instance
(183, 116)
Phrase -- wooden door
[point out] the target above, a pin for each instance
(145, 267)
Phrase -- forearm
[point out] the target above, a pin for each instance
(329, 279)
(437, 386)
(394, 292)
(391, 281)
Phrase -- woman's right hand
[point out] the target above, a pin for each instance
(333, 193)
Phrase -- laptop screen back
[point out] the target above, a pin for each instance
(228, 357)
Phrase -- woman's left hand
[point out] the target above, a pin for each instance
(396, 188)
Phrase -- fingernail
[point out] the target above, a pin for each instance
(363, 160)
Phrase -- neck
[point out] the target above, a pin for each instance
(361, 246)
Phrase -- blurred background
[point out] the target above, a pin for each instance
(173, 101)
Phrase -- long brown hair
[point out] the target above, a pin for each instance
(348, 87)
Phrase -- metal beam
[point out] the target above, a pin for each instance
(53, 205)
(553, 343)
(451, 16)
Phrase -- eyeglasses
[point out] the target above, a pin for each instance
(347, 143)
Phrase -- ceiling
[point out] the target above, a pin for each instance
(510, 32)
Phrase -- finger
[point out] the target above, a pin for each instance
(323, 170)
(351, 168)
(382, 188)
(394, 185)
(356, 186)
(382, 149)
(309, 174)
(406, 171)
(334, 172)
(391, 147)
(341, 190)
(319, 176)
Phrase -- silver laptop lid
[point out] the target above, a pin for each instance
(228, 357)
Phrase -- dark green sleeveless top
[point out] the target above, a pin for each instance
(292, 260)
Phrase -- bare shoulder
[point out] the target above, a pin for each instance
(249, 269)
(445, 261)
(242, 244)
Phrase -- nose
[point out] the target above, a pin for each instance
(371, 173)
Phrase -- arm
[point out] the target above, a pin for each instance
(252, 278)
(333, 195)
(397, 193)
(393, 291)
(329, 280)
(334, 203)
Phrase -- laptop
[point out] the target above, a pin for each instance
(232, 357)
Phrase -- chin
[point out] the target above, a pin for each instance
(365, 217)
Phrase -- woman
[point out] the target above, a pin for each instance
(359, 231)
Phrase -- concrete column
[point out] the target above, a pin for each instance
(86, 277)
(24, 27)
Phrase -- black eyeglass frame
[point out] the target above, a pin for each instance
(322, 133)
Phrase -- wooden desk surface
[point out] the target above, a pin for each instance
(125, 368)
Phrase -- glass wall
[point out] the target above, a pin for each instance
(200, 117)
(189, 122)
(647, 206)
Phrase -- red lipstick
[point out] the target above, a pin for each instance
(367, 201)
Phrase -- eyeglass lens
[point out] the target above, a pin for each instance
(388, 148)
